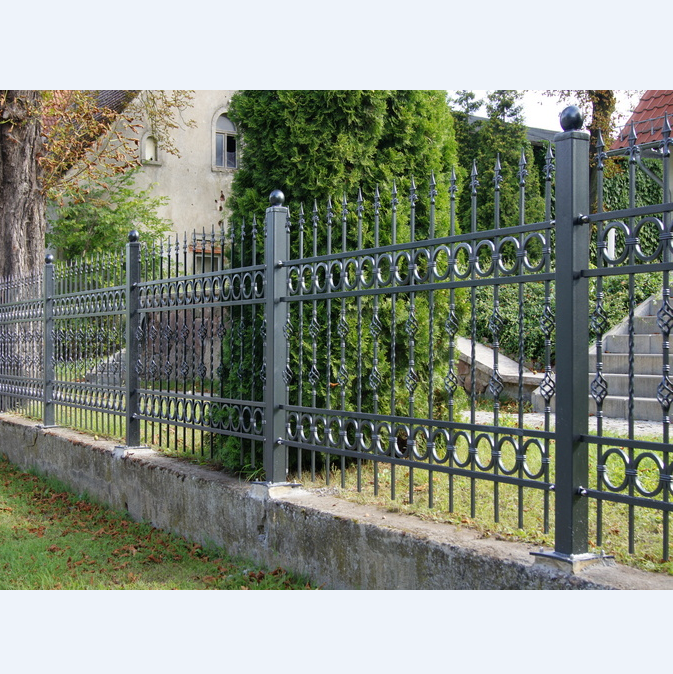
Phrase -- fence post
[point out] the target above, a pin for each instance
(132, 324)
(572, 338)
(276, 250)
(48, 412)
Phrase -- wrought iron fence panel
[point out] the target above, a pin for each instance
(199, 343)
(88, 307)
(632, 246)
(371, 334)
(347, 337)
(21, 348)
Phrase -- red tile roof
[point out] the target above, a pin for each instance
(648, 118)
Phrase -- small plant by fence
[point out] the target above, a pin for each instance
(329, 339)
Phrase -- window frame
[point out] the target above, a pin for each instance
(143, 149)
(219, 135)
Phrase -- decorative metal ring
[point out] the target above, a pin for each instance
(260, 283)
(441, 267)
(660, 244)
(457, 436)
(304, 428)
(258, 421)
(401, 433)
(442, 449)
(503, 254)
(188, 413)
(402, 277)
(217, 288)
(234, 417)
(602, 240)
(490, 248)
(648, 456)
(533, 442)
(384, 270)
(248, 286)
(422, 433)
(318, 430)
(460, 270)
(368, 274)
(350, 274)
(226, 288)
(320, 274)
(534, 237)
(198, 411)
(292, 426)
(306, 278)
(350, 435)
(189, 292)
(502, 466)
(488, 439)
(208, 289)
(367, 437)
(383, 433)
(422, 266)
(616, 451)
(335, 269)
(334, 432)
(246, 418)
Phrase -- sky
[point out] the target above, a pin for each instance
(542, 111)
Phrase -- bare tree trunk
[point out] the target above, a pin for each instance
(22, 202)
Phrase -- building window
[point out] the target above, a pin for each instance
(149, 149)
(225, 144)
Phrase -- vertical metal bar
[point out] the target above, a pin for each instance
(358, 432)
(634, 151)
(432, 194)
(599, 386)
(572, 356)
(451, 327)
(496, 387)
(343, 377)
(474, 183)
(48, 342)
(375, 330)
(547, 323)
(522, 174)
(314, 330)
(132, 324)
(664, 324)
(276, 251)
(330, 217)
(393, 338)
(411, 327)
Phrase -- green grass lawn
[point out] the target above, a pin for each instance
(51, 539)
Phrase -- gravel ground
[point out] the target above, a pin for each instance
(533, 420)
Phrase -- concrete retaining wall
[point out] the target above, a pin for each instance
(338, 544)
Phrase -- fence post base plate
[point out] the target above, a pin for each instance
(263, 491)
(571, 563)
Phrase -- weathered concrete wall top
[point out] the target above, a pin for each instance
(336, 543)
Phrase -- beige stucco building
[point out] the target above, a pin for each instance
(198, 182)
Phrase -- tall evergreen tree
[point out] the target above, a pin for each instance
(315, 145)
(320, 145)
(501, 136)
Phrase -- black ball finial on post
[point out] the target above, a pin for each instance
(276, 198)
(49, 258)
(571, 118)
(134, 235)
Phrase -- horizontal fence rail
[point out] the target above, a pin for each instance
(344, 342)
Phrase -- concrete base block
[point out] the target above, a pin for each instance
(335, 543)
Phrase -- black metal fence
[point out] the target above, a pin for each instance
(331, 341)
